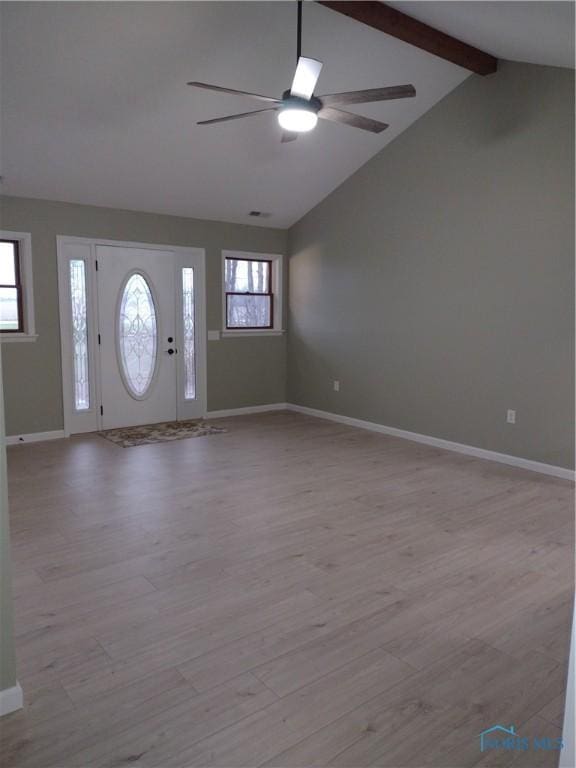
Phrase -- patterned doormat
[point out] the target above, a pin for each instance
(128, 437)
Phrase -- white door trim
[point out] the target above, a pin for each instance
(184, 255)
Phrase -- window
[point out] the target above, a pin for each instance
(16, 305)
(11, 302)
(249, 296)
(79, 307)
(251, 293)
(189, 340)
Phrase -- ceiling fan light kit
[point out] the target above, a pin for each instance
(297, 120)
(298, 109)
(298, 114)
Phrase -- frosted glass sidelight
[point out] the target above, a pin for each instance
(137, 335)
(79, 334)
(189, 339)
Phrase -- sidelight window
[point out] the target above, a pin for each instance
(189, 345)
(79, 312)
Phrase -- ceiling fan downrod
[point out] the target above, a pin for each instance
(299, 32)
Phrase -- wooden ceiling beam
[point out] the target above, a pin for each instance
(397, 24)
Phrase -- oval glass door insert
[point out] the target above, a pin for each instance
(137, 335)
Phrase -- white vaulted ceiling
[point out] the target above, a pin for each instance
(96, 110)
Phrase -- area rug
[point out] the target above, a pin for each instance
(129, 437)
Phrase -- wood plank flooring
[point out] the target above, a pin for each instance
(291, 593)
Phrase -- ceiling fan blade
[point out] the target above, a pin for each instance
(356, 121)
(305, 77)
(235, 117)
(219, 88)
(289, 136)
(371, 94)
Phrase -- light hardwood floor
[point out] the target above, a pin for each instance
(291, 593)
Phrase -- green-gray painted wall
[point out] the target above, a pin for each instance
(437, 283)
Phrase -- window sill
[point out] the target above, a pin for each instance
(18, 337)
(240, 332)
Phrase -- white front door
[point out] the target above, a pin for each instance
(137, 315)
(133, 333)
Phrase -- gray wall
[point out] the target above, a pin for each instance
(241, 371)
(437, 282)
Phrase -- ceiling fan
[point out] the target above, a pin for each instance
(298, 109)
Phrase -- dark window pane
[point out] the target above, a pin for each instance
(249, 311)
(9, 309)
(247, 276)
(7, 264)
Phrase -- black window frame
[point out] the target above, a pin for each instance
(269, 293)
(17, 285)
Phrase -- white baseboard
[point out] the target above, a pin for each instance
(35, 437)
(437, 442)
(11, 699)
(246, 411)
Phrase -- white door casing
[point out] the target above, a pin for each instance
(108, 267)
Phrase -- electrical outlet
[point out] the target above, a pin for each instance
(336, 385)
(511, 416)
